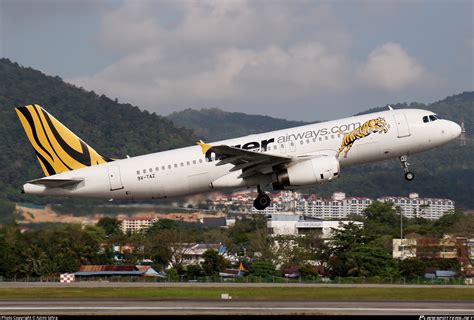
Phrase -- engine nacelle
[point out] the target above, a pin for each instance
(309, 172)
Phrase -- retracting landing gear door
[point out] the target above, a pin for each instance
(114, 178)
(402, 125)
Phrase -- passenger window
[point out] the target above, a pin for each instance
(320, 139)
(432, 117)
(169, 166)
(200, 160)
(301, 142)
(175, 165)
(151, 170)
(138, 171)
(182, 164)
(187, 163)
(425, 119)
(163, 167)
(326, 137)
(144, 171)
(157, 169)
(194, 161)
(307, 141)
(275, 147)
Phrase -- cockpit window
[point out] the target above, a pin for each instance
(425, 119)
(433, 117)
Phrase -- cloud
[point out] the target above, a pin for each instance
(242, 54)
(265, 75)
(391, 68)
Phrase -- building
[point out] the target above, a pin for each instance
(415, 207)
(131, 225)
(193, 254)
(290, 224)
(336, 207)
(214, 222)
(430, 248)
(404, 248)
(106, 271)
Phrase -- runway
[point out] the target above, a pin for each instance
(229, 307)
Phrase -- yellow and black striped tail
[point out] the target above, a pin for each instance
(56, 147)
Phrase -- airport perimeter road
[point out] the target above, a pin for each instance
(229, 307)
(104, 284)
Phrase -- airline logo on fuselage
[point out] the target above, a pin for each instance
(309, 134)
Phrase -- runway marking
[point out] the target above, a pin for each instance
(242, 308)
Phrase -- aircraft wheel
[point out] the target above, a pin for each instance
(261, 202)
(409, 176)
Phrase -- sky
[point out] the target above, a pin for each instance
(299, 60)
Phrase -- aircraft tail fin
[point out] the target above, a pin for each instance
(56, 147)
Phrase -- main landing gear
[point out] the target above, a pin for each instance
(262, 201)
(405, 165)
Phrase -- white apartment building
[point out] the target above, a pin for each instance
(337, 207)
(290, 224)
(131, 225)
(415, 207)
(340, 207)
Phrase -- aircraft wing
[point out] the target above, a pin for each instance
(56, 183)
(250, 162)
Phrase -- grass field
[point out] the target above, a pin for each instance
(278, 293)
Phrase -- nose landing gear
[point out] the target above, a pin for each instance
(409, 176)
(262, 201)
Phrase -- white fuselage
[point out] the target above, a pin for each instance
(185, 171)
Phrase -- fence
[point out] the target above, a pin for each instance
(256, 279)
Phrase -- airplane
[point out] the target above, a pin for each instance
(284, 159)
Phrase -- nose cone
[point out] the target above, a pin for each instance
(454, 129)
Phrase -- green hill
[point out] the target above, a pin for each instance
(214, 124)
(116, 130)
(113, 129)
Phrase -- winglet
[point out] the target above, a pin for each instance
(204, 146)
(390, 107)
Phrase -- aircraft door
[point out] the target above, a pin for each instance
(115, 179)
(402, 125)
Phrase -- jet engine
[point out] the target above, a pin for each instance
(309, 172)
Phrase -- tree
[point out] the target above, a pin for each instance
(369, 261)
(447, 221)
(169, 246)
(245, 231)
(382, 212)
(411, 267)
(162, 224)
(346, 237)
(193, 271)
(262, 269)
(213, 262)
(110, 225)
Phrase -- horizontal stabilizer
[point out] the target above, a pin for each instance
(56, 183)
